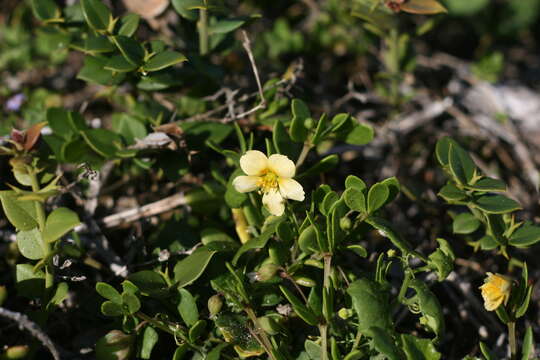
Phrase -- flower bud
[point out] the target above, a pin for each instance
(266, 272)
(345, 223)
(115, 345)
(215, 303)
(345, 313)
(16, 352)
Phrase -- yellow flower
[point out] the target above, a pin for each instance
(495, 291)
(272, 176)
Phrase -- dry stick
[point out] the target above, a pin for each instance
(247, 46)
(32, 328)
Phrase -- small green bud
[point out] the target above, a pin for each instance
(345, 313)
(269, 325)
(345, 223)
(309, 123)
(16, 352)
(215, 303)
(3, 294)
(266, 272)
(391, 253)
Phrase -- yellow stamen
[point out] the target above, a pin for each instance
(268, 181)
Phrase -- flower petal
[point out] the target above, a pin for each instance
(245, 184)
(254, 162)
(274, 202)
(291, 189)
(281, 165)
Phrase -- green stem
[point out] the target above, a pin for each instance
(40, 212)
(265, 342)
(323, 328)
(404, 286)
(303, 154)
(512, 339)
(202, 27)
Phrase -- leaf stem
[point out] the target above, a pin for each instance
(303, 154)
(265, 342)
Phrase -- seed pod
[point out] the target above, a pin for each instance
(215, 303)
(304, 281)
(267, 271)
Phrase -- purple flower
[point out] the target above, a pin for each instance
(14, 103)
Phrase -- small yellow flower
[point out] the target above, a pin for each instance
(495, 291)
(272, 176)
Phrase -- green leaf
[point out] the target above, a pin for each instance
(21, 214)
(386, 229)
(442, 149)
(131, 49)
(150, 339)
(109, 292)
(308, 241)
(109, 308)
(461, 164)
(131, 302)
(451, 193)
(355, 199)
(102, 141)
(300, 112)
(361, 134)
(45, 10)
(384, 343)
(96, 14)
(129, 24)
(329, 199)
(488, 184)
(60, 295)
(30, 244)
(299, 308)
(427, 303)
(186, 8)
(496, 204)
(119, 64)
(190, 268)
(129, 127)
(282, 141)
(313, 349)
(442, 259)
(353, 181)
(393, 188)
(59, 222)
(371, 304)
(30, 284)
(163, 60)
(465, 223)
(150, 282)
(528, 344)
(93, 72)
(377, 196)
(486, 352)
(187, 308)
(525, 236)
(225, 26)
(416, 348)
(324, 165)
(196, 330)
(97, 44)
(269, 228)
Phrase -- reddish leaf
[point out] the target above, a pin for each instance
(32, 135)
(425, 7)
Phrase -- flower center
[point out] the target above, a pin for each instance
(269, 181)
